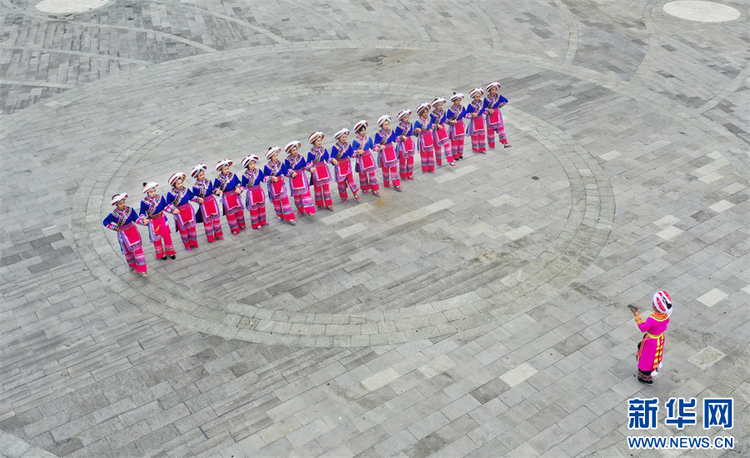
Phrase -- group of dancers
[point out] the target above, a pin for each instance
(436, 131)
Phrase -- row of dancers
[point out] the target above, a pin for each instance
(436, 131)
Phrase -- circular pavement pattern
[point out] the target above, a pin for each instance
(520, 265)
(702, 11)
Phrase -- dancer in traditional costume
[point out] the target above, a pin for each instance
(178, 203)
(366, 165)
(123, 220)
(454, 116)
(341, 153)
(255, 201)
(405, 145)
(152, 210)
(317, 164)
(208, 208)
(274, 173)
(441, 139)
(387, 158)
(426, 143)
(651, 347)
(492, 104)
(295, 170)
(477, 129)
(230, 190)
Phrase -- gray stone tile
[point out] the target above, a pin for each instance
(395, 443)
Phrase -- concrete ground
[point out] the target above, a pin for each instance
(481, 312)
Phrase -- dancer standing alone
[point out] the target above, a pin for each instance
(651, 347)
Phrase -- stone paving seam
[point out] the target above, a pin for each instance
(653, 40)
(729, 89)
(261, 30)
(170, 36)
(573, 38)
(13, 447)
(492, 27)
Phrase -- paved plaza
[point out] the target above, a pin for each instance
(478, 313)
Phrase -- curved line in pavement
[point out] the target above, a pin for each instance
(587, 224)
(234, 20)
(573, 33)
(730, 88)
(653, 42)
(20, 448)
(413, 21)
(496, 42)
(169, 36)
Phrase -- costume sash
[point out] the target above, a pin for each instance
(129, 237)
(298, 182)
(232, 201)
(426, 139)
(186, 216)
(320, 170)
(255, 195)
(442, 136)
(153, 237)
(155, 225)
(278, 186)
(409, 145)
(494, 117)
(209, 207)
(478, 124)
(368, 163)
(459, 129)
(389, 154)
(343, 167)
